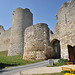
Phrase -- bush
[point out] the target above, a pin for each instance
(63, 61)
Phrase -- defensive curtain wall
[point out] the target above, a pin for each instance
(4, 38)
(38, 42)
(64, 30)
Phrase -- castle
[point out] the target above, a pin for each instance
(38, 42)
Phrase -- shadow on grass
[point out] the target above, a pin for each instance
(2, 65)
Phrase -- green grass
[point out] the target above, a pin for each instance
(50, 74)
(10, 61)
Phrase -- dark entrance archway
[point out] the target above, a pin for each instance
(71, 51)
(56, 49)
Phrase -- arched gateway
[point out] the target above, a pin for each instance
(55, 44)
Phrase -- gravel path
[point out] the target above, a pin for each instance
(42, 70)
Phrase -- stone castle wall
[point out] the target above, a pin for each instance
(66, 21)
(22, 18)
(66, 17)
(65, 28)
(4, 38)
(36, 42)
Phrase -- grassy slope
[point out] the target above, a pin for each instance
(8, 61)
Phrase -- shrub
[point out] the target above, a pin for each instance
(62, 61)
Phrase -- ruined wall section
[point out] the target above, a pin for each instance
(4, 39)
(66, 18)
(22, 18)
(36, 42)
(66, 27)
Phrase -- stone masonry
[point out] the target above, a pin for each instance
(4, 38)
(38, 42)
(65, 28)
(22, 18)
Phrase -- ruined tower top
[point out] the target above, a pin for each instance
(66, 19)
(26, 10)
(1, 28)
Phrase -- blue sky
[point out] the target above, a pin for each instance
(44, 11)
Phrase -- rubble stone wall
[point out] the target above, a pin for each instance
(36, 42)
(65, 28)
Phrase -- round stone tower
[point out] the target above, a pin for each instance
(22, 18)
(36, 42)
